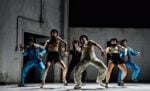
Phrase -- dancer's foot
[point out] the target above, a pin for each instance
(65, 83)
(77, 87)
(106, 86)
(135, 80)
(21, 85)
(42, 85)
(120, 83)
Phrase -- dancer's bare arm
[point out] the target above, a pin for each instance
(63, 41)
(120, 46)
(107, 50)
(38, 45)
(46, 43)
(125, 49)
(97, 45)
(43, 49)
(100, 47)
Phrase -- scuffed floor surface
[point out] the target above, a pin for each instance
(86, 87)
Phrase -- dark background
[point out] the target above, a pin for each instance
(109, 13)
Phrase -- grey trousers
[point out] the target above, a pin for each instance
(82, 66)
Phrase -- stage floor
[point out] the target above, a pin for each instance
(86, 87)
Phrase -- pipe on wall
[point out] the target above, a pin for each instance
(40, 21)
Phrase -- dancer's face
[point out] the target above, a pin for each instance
(83, 40)
(76, 44)
(31, 43)
(113, 43)
(54, 34)
(124, 43)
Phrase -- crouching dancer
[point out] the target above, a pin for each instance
(89, 57)
(33, 54)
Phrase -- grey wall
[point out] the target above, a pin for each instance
(11, 60)
(138, 40)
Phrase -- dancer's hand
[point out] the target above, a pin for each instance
(21, 46)
(47, 41)
(139, 55)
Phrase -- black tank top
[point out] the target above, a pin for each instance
(76, 56)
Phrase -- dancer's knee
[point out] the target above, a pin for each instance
(137, 69)
(124, 71)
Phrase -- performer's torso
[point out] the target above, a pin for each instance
(88, 51)
(76, 56)
(53, 46)
(113, 49)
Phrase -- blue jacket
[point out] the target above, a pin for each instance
(33, 53)
(130, 52)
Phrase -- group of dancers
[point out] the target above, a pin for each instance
(83, 54)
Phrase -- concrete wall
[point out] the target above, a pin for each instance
(138, 39)
(11, 60)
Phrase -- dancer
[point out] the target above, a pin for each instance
(89, 57)
(113, 59)
(33, 54)
(76, 57)
(129, 63)
(52, 46)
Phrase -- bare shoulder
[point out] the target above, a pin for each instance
(58, 37)
(92, 41)
(107, 49)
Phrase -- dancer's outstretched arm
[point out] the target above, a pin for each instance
(63, 41)
(125, 49)
(97, 45)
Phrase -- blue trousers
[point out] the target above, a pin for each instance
(130, 65)
(39, 65)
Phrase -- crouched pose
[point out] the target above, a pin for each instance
(33, 54)
(129, 63)
(89, 57)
